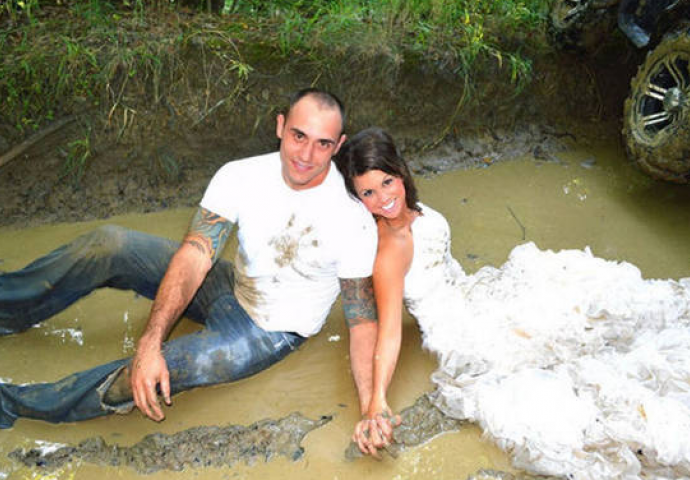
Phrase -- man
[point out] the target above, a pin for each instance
(302, 240)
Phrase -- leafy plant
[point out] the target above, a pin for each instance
(78, 153)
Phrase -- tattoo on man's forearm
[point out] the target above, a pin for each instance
(197, 244)
(208, 233)
(358, 301)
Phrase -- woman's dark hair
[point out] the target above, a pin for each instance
(374, 149)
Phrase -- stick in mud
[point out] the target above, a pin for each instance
(34, 139)
(522, 227)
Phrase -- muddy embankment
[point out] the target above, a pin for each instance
(152, 151)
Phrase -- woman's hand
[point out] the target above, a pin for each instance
(375, 430)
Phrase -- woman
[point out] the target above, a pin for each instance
(573, 364)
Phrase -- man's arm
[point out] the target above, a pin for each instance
(199, 250)
(360, 315)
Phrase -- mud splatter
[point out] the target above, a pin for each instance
(287, 245)
(248, 293)
(497, 475)
(420, 423)
(208, 446)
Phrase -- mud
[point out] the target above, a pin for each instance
(196, 447)
(423, 422)
(213, 446)
(485, 148)
(119, 184)
(594, 198)
(496, 475)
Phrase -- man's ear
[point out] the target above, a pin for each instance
(343, 137)
(280, 124)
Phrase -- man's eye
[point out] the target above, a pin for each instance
(324, 144)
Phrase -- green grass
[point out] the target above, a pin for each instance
(77, 155)
(90, 55)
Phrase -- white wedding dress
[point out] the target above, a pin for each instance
(574, 365)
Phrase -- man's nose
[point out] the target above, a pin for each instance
(307, 151)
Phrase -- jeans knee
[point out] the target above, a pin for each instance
(105, 240)
(109, 232)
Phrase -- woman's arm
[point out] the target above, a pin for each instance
(393, 259)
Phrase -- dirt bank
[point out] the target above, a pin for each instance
(163, 155)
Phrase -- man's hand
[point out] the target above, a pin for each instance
(375, 431)
(368, 438)
(187, 269)
(149, 370)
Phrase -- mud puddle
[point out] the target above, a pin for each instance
(590, 197)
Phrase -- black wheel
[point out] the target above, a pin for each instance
(580, 25)
(656, 118)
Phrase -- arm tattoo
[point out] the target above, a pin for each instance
(358, 300)
(208, 233)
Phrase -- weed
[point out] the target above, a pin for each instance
(78, 153)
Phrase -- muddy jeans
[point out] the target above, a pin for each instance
(229, 348)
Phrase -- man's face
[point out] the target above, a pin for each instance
(309, 137)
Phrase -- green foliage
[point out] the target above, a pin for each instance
(18, 8)
(95, 53)
(94, 12)
(78, 153)
(452, 34)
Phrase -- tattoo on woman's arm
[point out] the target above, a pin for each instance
(208, 233)
(358, 300)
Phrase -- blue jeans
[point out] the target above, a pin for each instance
(229, 348)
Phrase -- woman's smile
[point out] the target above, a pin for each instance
(382, 193)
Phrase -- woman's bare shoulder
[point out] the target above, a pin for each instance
(395, 246)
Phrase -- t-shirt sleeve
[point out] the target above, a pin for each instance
(358, 247)
(224, 190)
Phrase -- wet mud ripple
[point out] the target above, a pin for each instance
(498, 475)
(207, 446)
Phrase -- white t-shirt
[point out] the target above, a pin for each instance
(294, 245)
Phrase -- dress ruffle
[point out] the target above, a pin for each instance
(575, 365)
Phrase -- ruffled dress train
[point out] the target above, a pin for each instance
(574, 365)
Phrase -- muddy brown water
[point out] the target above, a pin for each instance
(592, 197)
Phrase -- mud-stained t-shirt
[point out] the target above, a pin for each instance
(293, 245)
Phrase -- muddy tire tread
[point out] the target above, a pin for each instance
(668, 160)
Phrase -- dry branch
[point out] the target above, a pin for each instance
(16, 151)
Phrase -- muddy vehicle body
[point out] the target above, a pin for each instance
(656, 115)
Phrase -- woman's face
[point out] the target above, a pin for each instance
(382, 193)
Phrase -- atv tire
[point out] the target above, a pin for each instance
(580, 25)
(656, 117)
